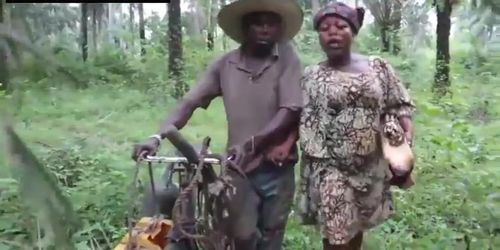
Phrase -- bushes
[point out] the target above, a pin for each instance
(454, 203)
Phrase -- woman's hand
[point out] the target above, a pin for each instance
(407, 127)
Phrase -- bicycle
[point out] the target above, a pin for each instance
(199, 212)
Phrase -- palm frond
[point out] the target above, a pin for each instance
(41, 194)
(17, 43)
(494, 5)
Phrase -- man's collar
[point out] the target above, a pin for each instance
(236, 56)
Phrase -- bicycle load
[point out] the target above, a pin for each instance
(192, 213)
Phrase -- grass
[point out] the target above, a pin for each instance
(89, 134)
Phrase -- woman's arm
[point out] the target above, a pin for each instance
(397, 100)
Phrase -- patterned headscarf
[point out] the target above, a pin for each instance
(353, 16)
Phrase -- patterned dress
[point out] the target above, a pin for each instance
(344, 178)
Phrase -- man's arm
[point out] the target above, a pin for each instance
(279, 129)
(205, 91)
(398, 100)
(290, 100)
(179, 117)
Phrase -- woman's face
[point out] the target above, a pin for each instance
(335, 36)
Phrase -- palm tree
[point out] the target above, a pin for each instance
(4, 70)
(444, 9)
(212, 19)
(142, 33)
(387, 14)
(84, 31)
(175, 59)
(224, 40)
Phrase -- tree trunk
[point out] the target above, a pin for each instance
(211, 24)
(489, 31)
(385, 36)
(118, 23)
(83, 31)
(2, 11)
(131, 26)
(306, 4)
(100, 22)
(131, 16)
(94, 28)
(175, 60)
(197, 15)
(382, 13)
(142, 32)
(111, 22)
(224, 38)
(4, 67)
(441, 77)
(315, 5)
(396, 27)
(166, 40)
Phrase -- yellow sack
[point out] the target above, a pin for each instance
(149, 233)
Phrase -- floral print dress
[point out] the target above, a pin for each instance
(344, 176)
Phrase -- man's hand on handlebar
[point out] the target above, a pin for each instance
(142, 150)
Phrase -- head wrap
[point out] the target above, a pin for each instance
(353, 16)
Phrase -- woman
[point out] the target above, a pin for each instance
(345, 177)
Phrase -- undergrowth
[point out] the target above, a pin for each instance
(83, 132)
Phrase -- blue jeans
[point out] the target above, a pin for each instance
(259, 210)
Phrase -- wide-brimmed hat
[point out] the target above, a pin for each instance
(230, 16)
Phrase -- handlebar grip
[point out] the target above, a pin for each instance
(184, 147)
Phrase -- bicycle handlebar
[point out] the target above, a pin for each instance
(184, 147)
(175, 159)
(190, 154)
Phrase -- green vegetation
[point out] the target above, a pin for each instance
(82, 131)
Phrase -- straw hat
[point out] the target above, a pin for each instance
(230, 16)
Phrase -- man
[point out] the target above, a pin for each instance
(260, 86)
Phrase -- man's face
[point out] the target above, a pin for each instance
(263, 28)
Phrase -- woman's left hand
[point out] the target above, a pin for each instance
(407, 127)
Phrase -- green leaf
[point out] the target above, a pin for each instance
(493, 204)
(40, 193)
(431, 109)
